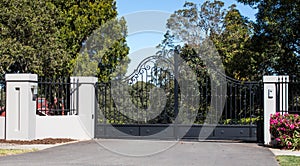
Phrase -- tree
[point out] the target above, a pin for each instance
(45, 37)
(202, 31)
(229, 31)
(248, 49)
(78, 19)
(193, 24)
(234, 44)
(29, 39)
(104, 53)
(277, 35)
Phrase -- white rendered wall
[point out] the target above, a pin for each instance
(2, 127)
(61, 127)
(79, 126)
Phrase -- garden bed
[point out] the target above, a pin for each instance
(38, 141)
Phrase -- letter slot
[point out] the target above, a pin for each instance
(270, 93)
(34, 93)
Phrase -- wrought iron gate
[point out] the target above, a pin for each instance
(124, 110)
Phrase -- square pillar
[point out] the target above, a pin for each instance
(21, 92)
(84, 97)
(275, 99)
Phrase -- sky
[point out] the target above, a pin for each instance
(146, 21)
(129, 6)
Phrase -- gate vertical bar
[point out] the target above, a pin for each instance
(96, 85)
(176, 54)
(77, 96)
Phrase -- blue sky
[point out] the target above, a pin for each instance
(142, 43)
(129, 6)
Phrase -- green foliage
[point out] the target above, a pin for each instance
(140, 94)
(229, 31)
(45, 37)
(253, 120)
(194, 23)
(277, 35)
(248, 49)
(233, 45)
(114, 62)
(29, 39)
(104, 53)
(78, 19)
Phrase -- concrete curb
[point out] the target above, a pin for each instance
(278, 152)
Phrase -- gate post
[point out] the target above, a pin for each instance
(21, 92)
(275, 99)
(84, 99)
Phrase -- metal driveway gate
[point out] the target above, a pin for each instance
(124, 110)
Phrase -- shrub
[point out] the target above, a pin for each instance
(285, 130)
(248, 120)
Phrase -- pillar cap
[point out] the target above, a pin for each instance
(84, 79)
(273, 79)
(21, 77)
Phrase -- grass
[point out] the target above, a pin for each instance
(288, 160)
(5, 152)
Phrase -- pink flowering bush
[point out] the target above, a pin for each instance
(285, 130)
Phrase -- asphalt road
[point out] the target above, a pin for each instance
(137, 152)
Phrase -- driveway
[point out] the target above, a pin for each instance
(141, 152)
